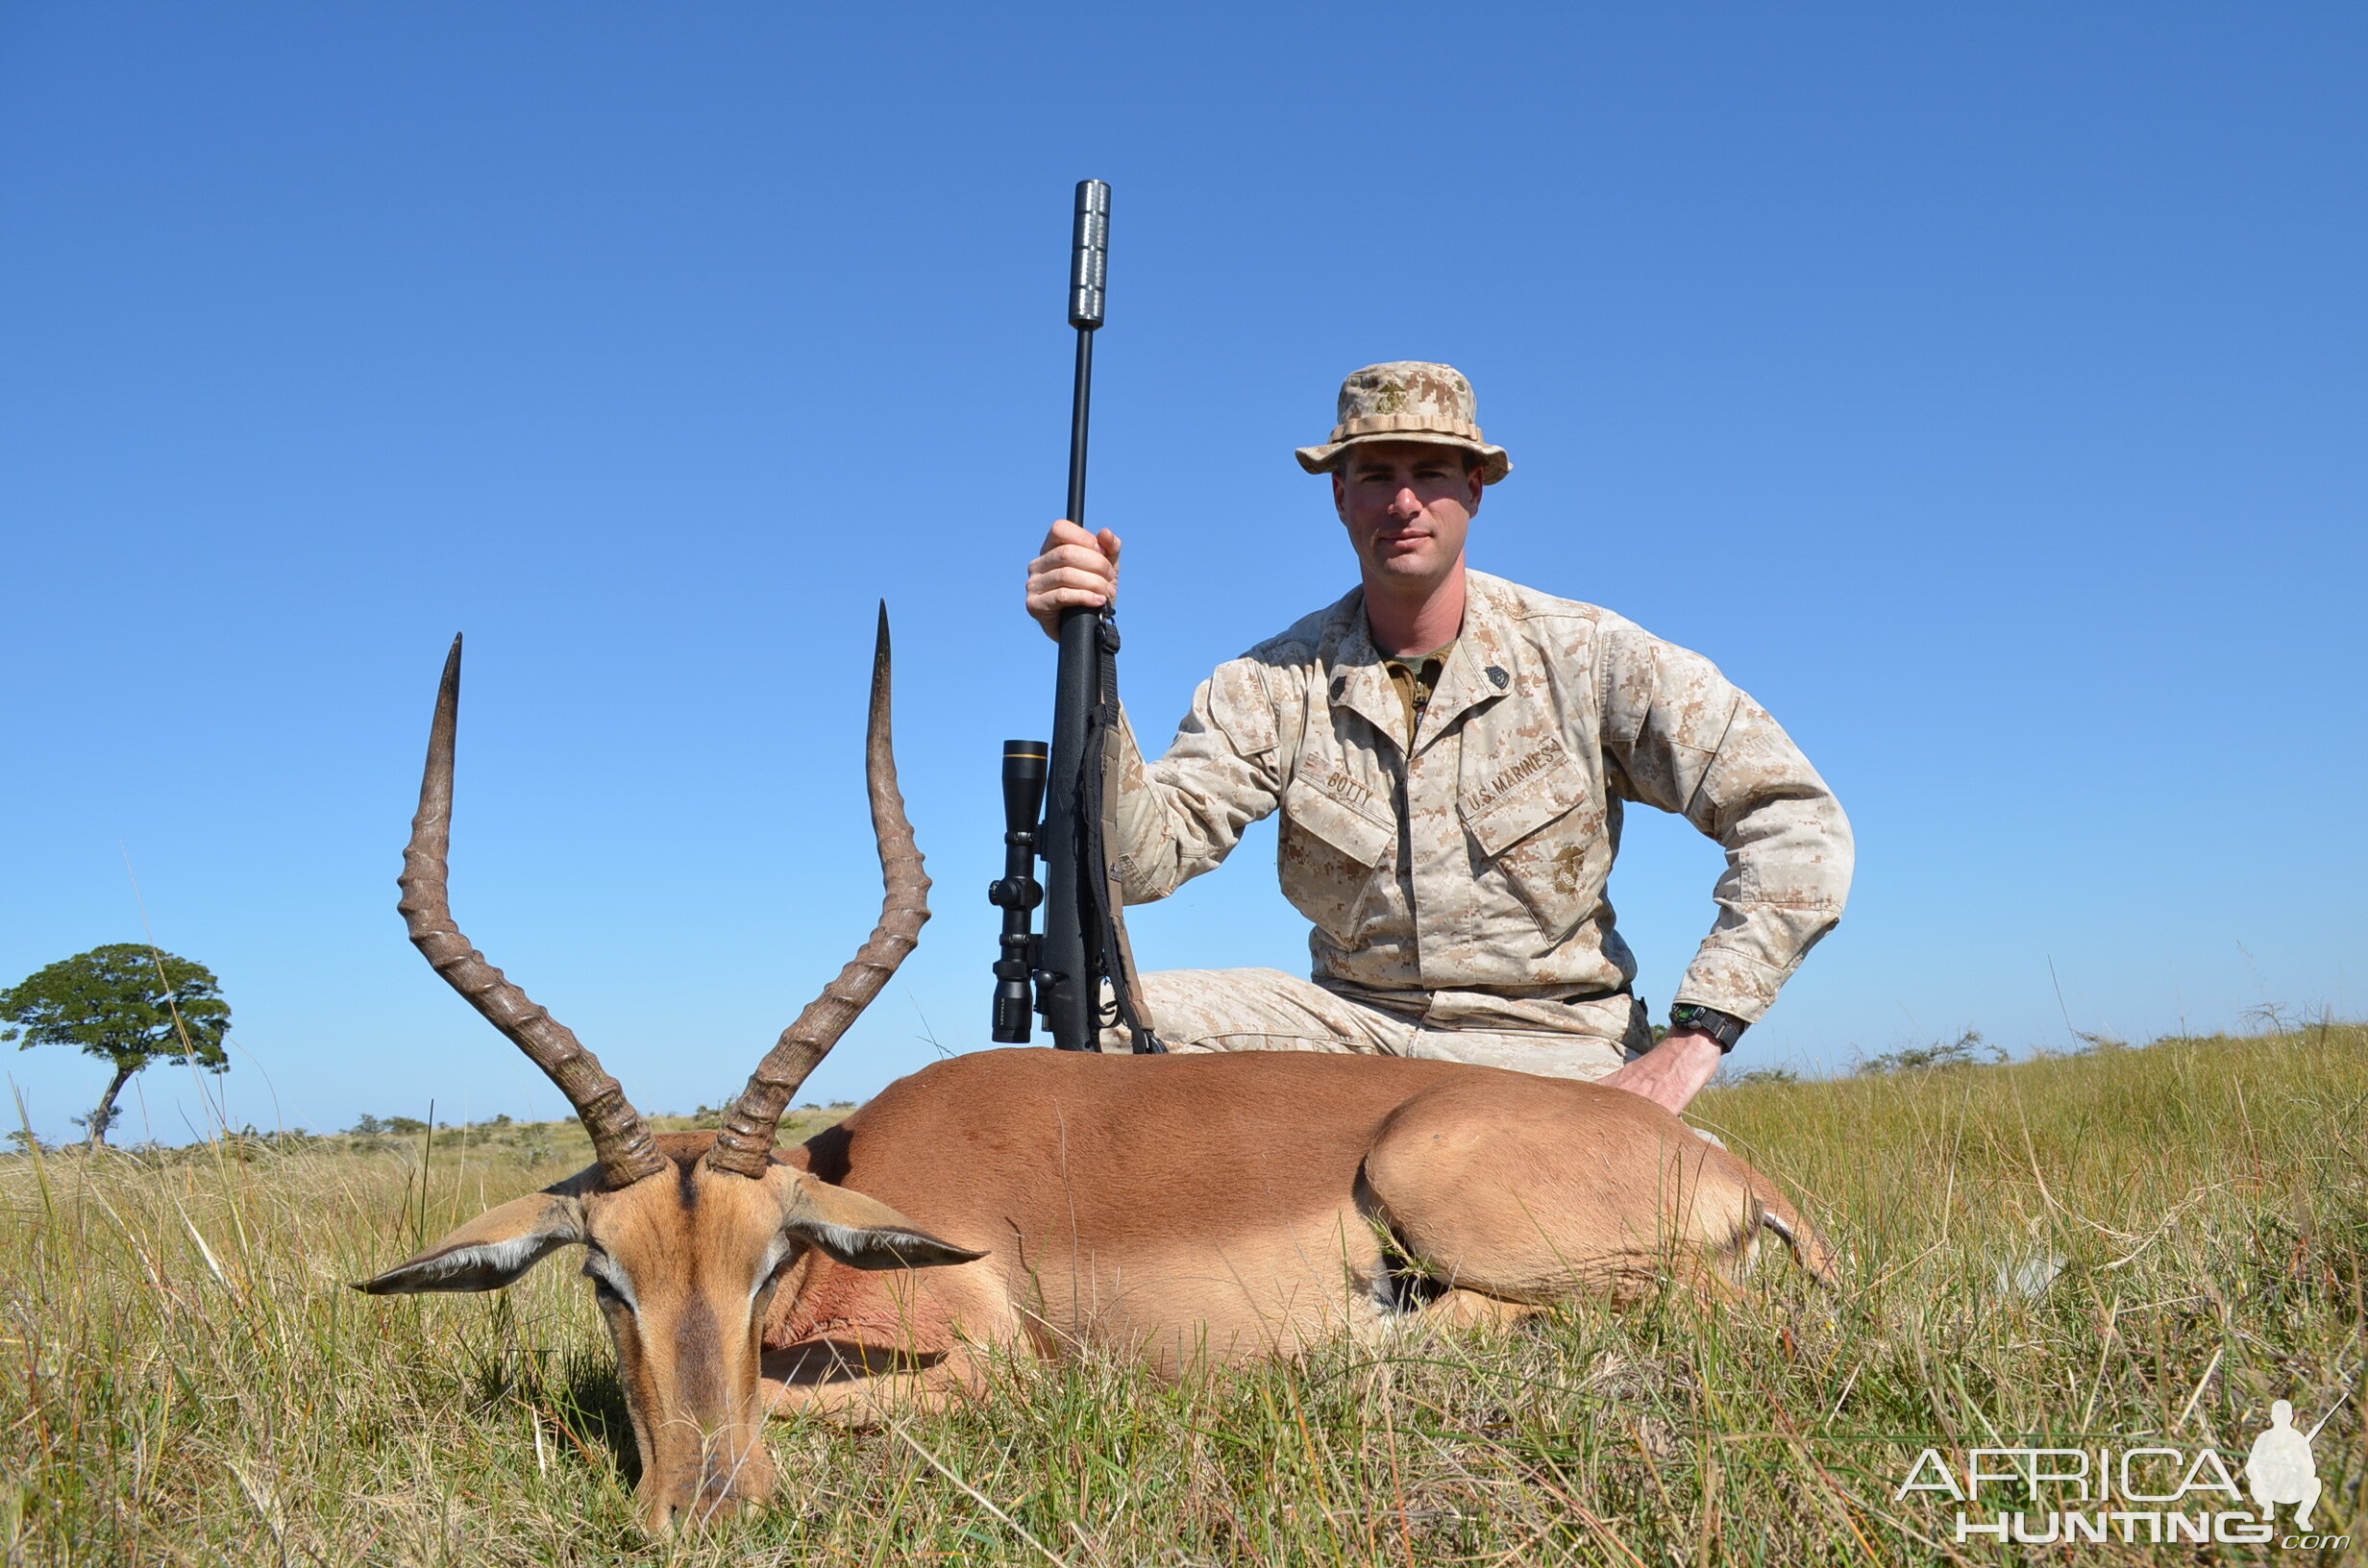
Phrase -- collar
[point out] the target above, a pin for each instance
(1356, 669)
(1479, 667)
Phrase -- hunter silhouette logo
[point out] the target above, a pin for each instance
(2279, 1468)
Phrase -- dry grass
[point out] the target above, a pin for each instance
(183, 1380)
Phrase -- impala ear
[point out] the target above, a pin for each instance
(489, 1250)
(863, 1233)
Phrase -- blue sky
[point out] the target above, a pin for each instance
(1980, 386)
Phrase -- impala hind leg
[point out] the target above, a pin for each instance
(1459, 1309)
(1526, 1190)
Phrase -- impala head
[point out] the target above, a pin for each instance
(684, 1237)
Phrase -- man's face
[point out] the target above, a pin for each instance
(1407, 505)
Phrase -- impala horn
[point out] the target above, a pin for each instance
(745, 1145)
(620, 1139)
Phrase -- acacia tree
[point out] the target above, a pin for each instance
(127, 1004)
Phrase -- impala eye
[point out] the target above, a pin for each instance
(609, 1285)
(770, 1271)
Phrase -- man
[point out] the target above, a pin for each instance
(1450, 754)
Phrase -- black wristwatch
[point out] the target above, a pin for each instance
(1725, 1028)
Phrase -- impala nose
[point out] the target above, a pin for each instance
(714, 1502)
(732, 1474)
(715, 1485)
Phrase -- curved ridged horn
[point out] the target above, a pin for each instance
(745, 1145)
(619, 1141)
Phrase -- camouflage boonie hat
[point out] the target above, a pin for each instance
(1407, 400)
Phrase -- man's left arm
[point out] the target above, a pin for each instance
(1687, 740)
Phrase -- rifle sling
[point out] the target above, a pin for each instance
(1098, 788)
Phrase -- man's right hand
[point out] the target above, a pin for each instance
(1076, 567)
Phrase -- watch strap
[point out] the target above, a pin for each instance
(1724, 1028)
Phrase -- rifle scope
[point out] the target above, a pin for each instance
(1019, 893)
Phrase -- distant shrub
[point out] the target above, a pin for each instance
(1966, 1050)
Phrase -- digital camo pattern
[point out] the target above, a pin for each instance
(1266, 1010)
(1408, 400)
(1464, 884)
(1406, 386)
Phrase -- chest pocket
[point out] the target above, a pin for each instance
(1543, 838)
(1330, 855)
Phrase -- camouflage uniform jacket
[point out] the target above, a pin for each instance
(1465, 882)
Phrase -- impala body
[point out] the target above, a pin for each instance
(1220, 1208)
(1187, 1210)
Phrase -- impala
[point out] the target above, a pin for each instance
(1185, 1209)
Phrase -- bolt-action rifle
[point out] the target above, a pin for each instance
(1062, 973)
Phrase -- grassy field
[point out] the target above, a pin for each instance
(2125, 1247)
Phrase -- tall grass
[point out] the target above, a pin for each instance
(2120, 1246)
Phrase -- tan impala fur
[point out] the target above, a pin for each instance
(1188, 1210)
(1221, 1208)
